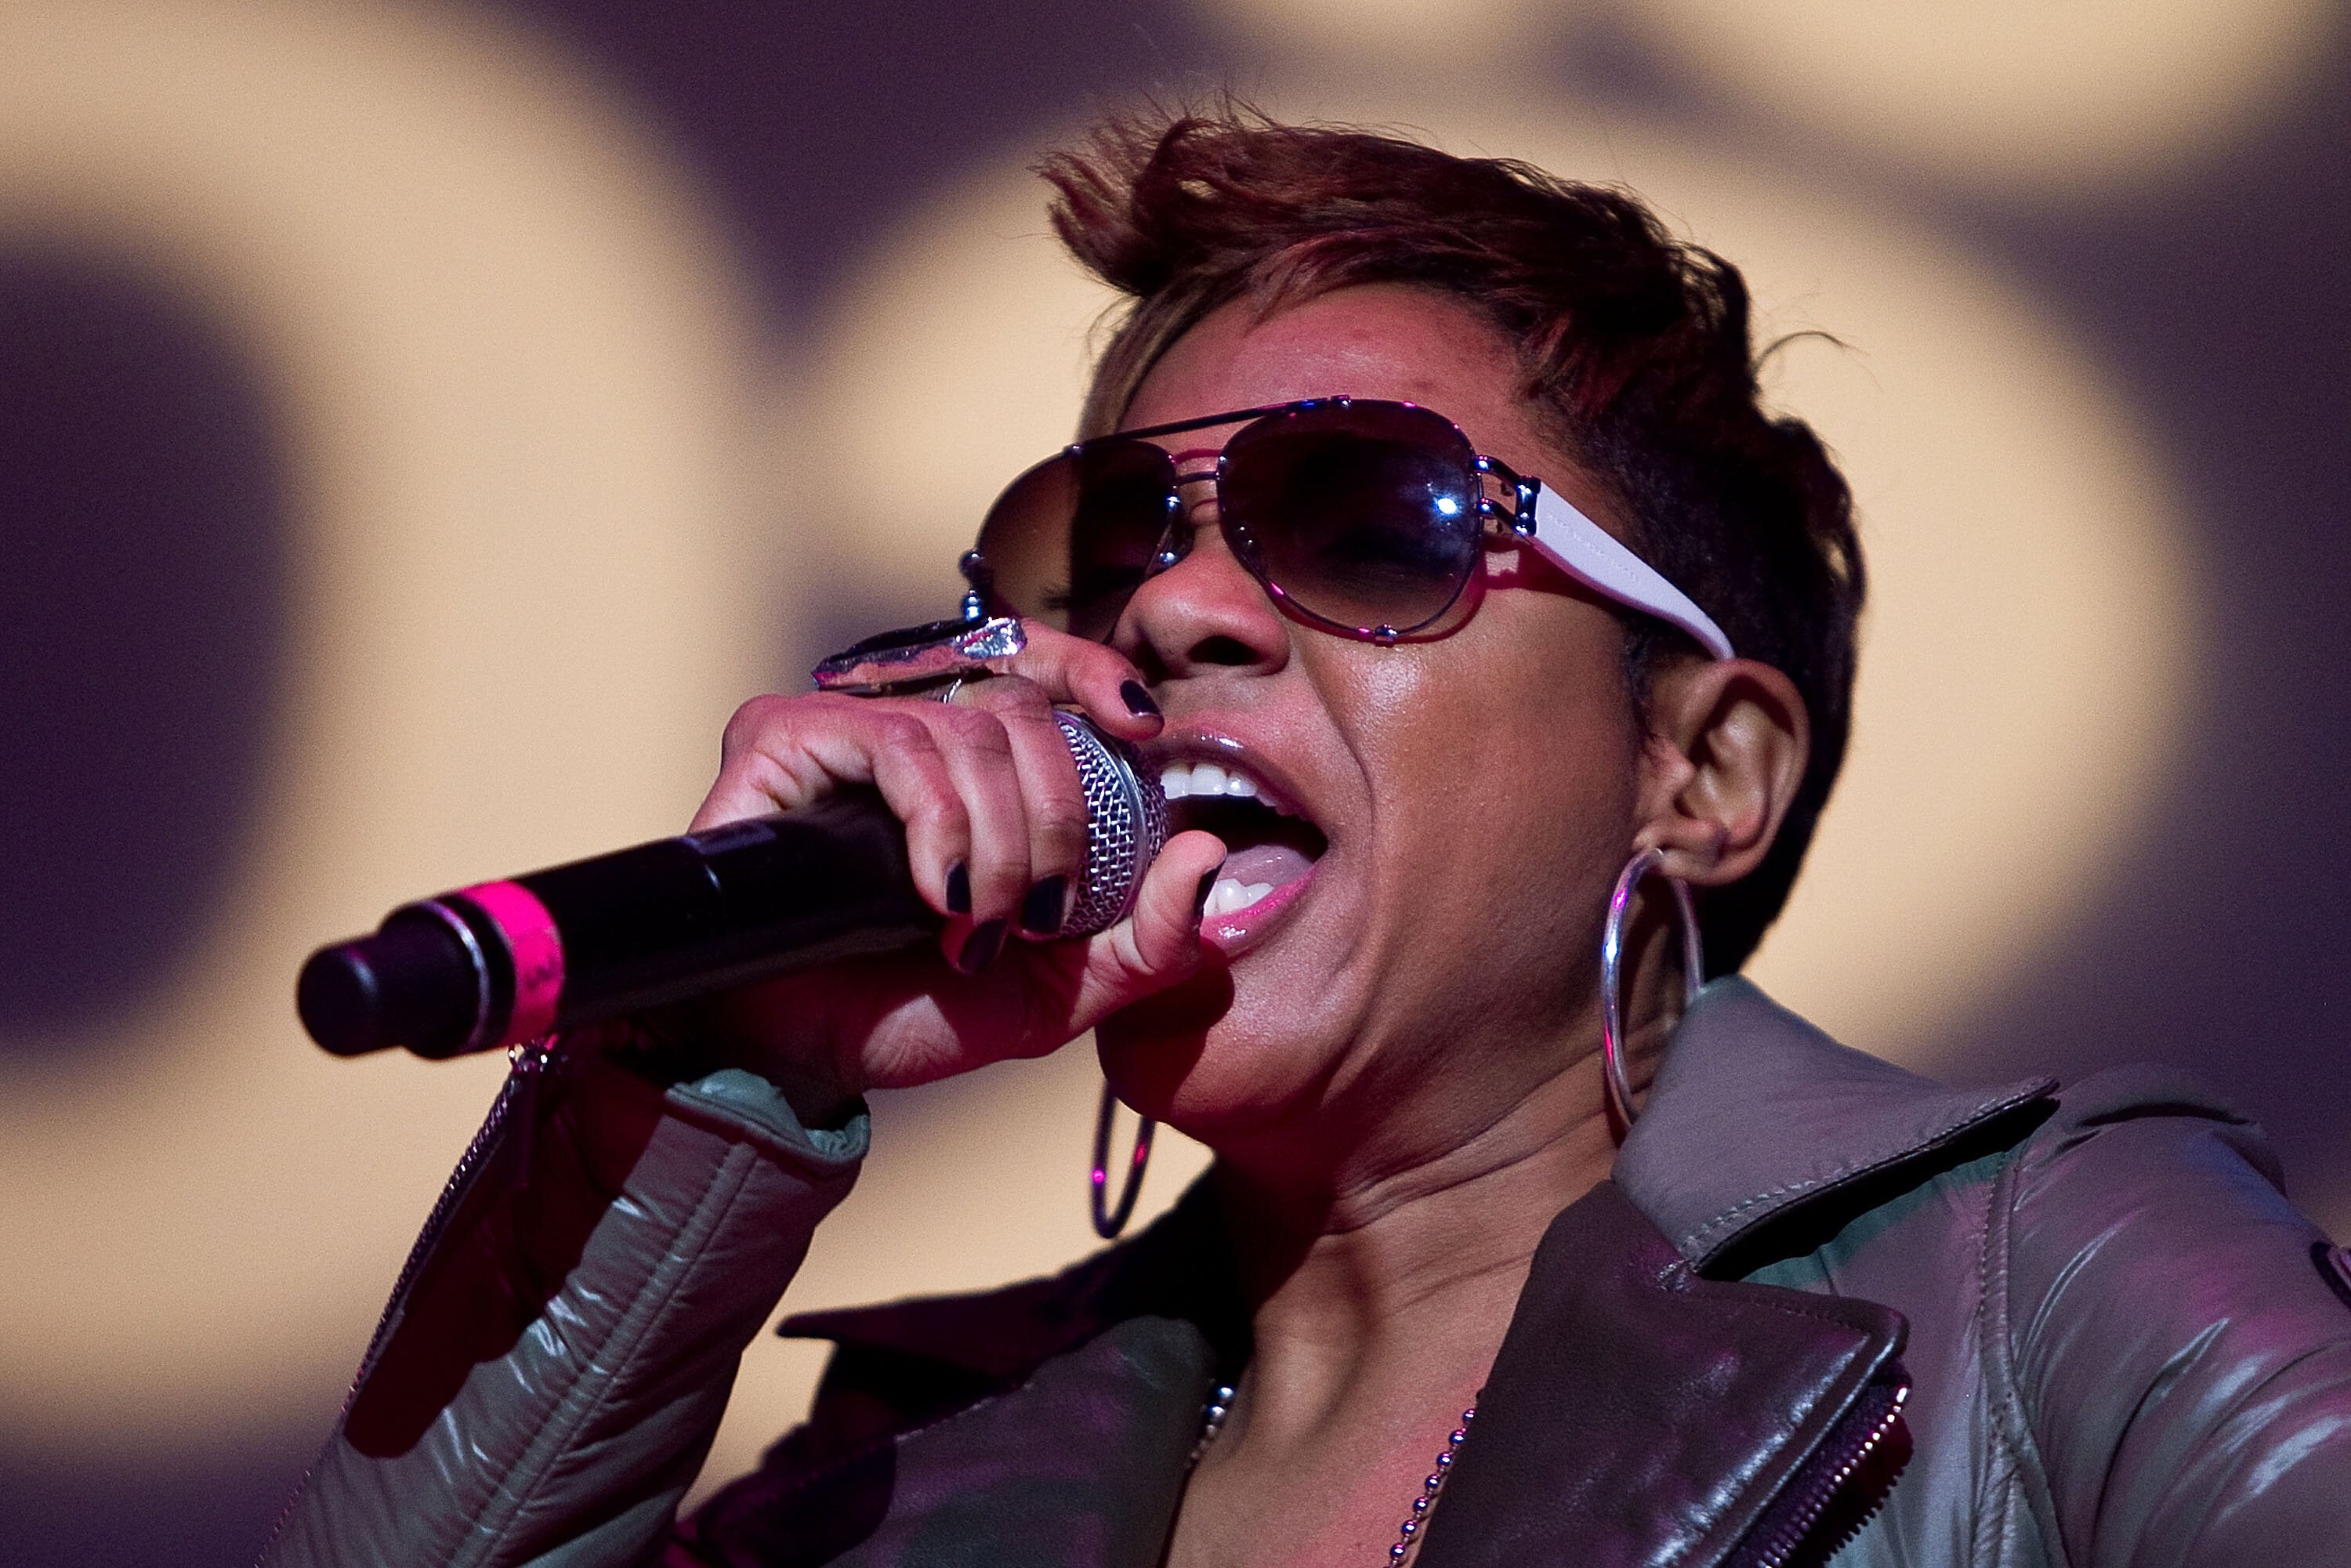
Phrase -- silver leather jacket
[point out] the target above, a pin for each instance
(1825, 1308)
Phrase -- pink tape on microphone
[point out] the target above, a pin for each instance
(538, 949)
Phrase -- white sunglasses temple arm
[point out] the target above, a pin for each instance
(1593, 556)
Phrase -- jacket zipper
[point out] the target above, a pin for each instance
(515, 1095)
(1822, 1480)
(529, 1064)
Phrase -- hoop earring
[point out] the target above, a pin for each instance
(1109, 1223)
(1611, 957)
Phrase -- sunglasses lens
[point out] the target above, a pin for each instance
(1362, 515)
(1072, 539)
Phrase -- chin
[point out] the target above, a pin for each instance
(1200, 1058)
(1149, 1051)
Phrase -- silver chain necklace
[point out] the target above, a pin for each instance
(1220, 1404)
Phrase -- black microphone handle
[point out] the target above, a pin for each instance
(504, 962)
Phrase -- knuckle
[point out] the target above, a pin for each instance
(1060, 821)
(1037, 730)
(981, 734)
(750, 719)
(955, 719)
(903, 734)
(948, 816)
(1011, 695)
(906, 749)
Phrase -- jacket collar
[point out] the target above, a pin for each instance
(1597, 1439)
(1178, 1268)
(1756, 1117)
(1638, 1413)
(1755, 1120)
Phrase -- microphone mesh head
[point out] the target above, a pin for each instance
(1126, 824)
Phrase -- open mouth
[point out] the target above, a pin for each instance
(1270, 849)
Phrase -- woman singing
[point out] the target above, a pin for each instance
(1429, 540)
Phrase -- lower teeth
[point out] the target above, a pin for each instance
(1228, 895)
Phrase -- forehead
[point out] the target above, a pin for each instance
(1382, 341)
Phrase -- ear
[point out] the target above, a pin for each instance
(1726, 751)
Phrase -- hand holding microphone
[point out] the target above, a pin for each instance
(994, 847)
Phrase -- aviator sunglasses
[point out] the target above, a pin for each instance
(1365, 518)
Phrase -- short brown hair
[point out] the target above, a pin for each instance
(1634, 349)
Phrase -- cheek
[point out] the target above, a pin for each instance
(1490, 756)
(1550, 776)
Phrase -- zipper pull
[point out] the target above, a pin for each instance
(528, 1064)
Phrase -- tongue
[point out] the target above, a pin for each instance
(1274, 864)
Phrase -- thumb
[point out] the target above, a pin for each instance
(1158, 943)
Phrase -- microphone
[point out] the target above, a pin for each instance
(503, 962)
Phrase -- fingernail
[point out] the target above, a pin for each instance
(1207, 884)
(1041, 912)
(958, 889)
(980, 948)
(1138, 701)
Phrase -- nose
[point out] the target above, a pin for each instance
(1203, 614)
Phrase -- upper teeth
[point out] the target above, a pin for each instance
(1182, 779)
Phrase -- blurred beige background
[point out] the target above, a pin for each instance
(575, 455)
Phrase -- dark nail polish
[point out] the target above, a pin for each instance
(1138, 701)
(958, 889)
(980, 948)
(1207, 885)
(1041, 912)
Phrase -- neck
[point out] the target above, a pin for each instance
(1383, 1252)
(1395, 1280)
(1396, 1289)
